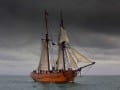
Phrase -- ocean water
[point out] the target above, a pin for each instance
(81, 83)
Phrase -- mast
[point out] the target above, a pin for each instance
(47, 37)
(63, 49)
(63, 43)
(61, 20)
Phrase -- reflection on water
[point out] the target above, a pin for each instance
(66, 86)
(81, 83)
(54, 86)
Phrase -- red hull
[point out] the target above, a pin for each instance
(55, 77)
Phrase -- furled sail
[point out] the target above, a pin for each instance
(79, 56)
(43, 65)
(63, 36)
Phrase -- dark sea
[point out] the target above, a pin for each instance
(81, 83)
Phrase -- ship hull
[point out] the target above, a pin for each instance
(54, 77)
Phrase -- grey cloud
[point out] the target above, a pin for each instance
(94, 39)
(22, 22)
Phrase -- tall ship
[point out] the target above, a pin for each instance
(68, 63)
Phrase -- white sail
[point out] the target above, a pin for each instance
(71, 60)
(63, 36)
(79, 57)
(43, 65)
(73, 56)
(59, 61)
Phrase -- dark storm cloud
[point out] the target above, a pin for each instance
(21, 21)
(93, 14)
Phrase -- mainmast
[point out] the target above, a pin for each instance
(47, 37)
(63, 43)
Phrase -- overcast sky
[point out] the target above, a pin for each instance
(92, 25)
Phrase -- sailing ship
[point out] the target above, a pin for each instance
(66, 66)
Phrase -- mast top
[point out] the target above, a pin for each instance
(61, 19)
(46, 21)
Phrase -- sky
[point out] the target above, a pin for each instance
(93, 27)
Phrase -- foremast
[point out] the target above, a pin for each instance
(47, 37)
(44, 60)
